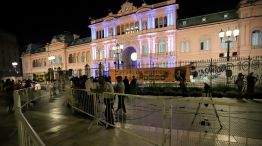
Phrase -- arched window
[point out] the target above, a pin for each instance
(161, 46)
(33, 63)
(60, 59)
(145, 50)
(70, 58)
(256, 39)
(101, 53)
(83, 57)
(74, 58)
(88, 56)
(78, 58)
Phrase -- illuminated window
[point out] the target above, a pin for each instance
(256, 39)
(111, 53)
(184, 22)
(101, 54)
(226, 15)
(184, 46)
(144, 26)
(204, 19)
(161, 46)
(83, 57)
(70, 58)
(204, 45)
(145, 50)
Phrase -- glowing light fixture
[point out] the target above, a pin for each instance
(134, 56)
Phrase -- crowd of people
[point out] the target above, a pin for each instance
(104, 84)
(8, 86)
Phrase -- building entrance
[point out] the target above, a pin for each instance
(126, 58)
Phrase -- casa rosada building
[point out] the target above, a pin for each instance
(151, 34)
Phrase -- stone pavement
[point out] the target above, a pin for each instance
(56, 125)
(8, 128)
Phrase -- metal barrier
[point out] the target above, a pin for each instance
(26, 134)
(168, 121)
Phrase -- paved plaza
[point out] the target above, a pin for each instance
(56, 125)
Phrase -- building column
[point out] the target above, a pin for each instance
(94, 52)
(140, 23)
(93, 33)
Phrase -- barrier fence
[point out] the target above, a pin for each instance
(22, 99)
(169, 121)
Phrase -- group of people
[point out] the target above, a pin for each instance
(8, 87)
(104, 84)
(240, 83)
(251, 81)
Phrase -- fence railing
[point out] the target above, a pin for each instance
(26, 134)
(168, 121)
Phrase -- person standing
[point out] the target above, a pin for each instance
(133, 85)
(9, 89)
(120, 88)
(251, 81)
(240, 82)
(108, 101)
(126, 82)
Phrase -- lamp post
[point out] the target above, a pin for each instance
(118, 50)
(51, 59)
(14, 64)
(229, 37)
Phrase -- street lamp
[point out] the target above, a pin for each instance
(14, 64)
(228, 38)
(117, 50)
(51, 59)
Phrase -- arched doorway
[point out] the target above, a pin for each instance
(126, 58)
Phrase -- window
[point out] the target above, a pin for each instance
(122, 29)
(165, 21)
(256, 39)
(111, 53)
(110, 31)
(70, 58)
(234, 54)
(225, 15)
(118, 30)
(161, 46)
(144, 26)
(83, 57)
(184, 22)
(204, 45)
(145, 50)
(161, 22)
(162, 64)
(184, 46)
(101, 54)
(224, 44)
(74, 58)
(78, 58)
(204, 19)
(221, 54)
(156, 22)
(88, 56)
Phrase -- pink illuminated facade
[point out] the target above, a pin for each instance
(155, 34)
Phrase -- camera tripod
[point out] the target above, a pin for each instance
(205, 121)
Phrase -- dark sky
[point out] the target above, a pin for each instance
(38, 20)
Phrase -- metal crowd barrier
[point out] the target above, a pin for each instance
(26, 134)
(171, 121)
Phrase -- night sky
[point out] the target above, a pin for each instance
(37, 21)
